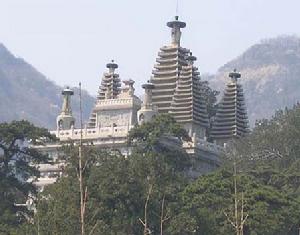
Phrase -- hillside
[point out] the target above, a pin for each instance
(25, 93)
(270, 75)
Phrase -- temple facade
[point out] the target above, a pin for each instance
(174, 88)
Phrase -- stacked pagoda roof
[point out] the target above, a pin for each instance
(110, 88)
(111, 83)
(177, 82)
(188, 104)
(231, 120)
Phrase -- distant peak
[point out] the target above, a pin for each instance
(5, 54)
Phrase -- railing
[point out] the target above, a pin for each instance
(93, 133)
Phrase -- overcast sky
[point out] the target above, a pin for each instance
(72, 40)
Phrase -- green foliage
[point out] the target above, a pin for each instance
(272, 211)
(118, 186)
(273, 142)
(210, 96)
(268, 177)
(150, 133)
(16, 159)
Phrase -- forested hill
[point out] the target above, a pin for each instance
(25, 93)
(270, 75)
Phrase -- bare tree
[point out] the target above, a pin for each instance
(163, 216)
(144, 222)
(82, 189)
(239, 218)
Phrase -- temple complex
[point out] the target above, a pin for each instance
(231, 120)
(174, 88)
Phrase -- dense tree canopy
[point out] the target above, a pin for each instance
(118, 186)
(17, 161)
(149, 190)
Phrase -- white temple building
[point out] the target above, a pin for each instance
(174, 88)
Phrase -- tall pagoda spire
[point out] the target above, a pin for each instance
(188, 106)
(176, 25)
(65, 119)
(177, 83)
(231, 120)
(109, 88)
(111, 83)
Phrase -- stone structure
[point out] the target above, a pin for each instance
(109, 88)
(66, 120)
(178, 89)
(175, 88)
(148, 110)
(231, 120)
(114, 113)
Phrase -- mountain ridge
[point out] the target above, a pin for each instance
(25, 93)
(270, 75)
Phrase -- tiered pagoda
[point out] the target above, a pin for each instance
(231, 120)
(109, 88)
(177, 84)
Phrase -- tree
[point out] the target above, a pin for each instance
(118, 186)
(17, 165)
(273, 210)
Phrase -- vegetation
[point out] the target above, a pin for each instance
(16, 167)
(150, 191)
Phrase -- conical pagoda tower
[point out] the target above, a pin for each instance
(109, 88)
(111, 83)
(177, 84)
(231, 120)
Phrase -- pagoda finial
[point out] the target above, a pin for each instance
(65, 119)
(176, 25)
(112, 66)
(234, 75)
(191, 58)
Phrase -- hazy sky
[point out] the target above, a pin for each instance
(72, 40)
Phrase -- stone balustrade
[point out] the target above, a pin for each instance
(92, 133)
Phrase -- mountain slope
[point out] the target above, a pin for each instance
(25, 93)
(270, 75)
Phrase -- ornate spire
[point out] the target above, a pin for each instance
(177, 83)
(66, 120)
(111, 83)
(66, 107)
(176, 25)
(231, 120)
(147, 111)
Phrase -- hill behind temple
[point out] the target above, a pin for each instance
(270, 75)
(25, 93)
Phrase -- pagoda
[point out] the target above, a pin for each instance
(231, 120)
(109, 88)
(178, 89)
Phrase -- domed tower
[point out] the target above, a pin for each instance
(177, 84)
(231, 120)
(147, 111)
(65, 119)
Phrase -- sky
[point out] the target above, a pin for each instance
(72, 40)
